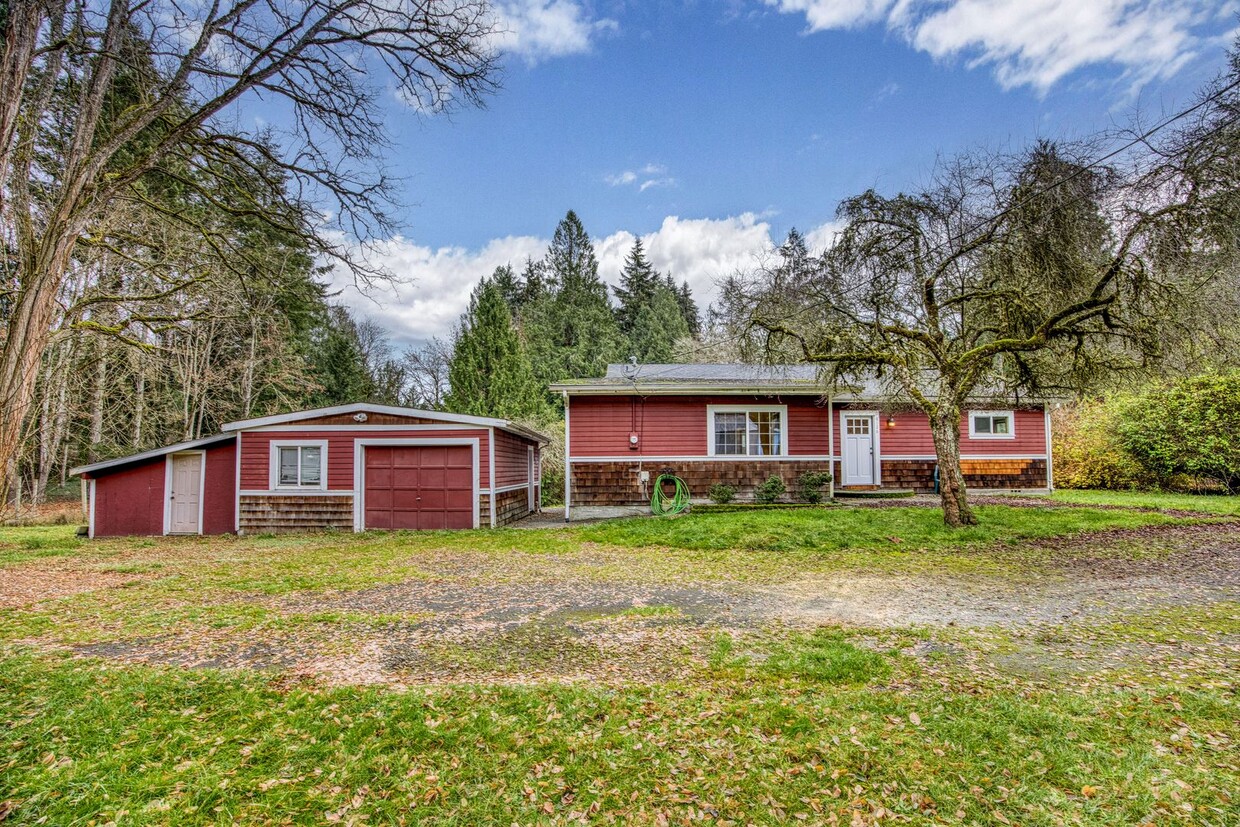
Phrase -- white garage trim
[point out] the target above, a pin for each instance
(359, 470)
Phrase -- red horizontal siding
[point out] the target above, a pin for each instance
(256, 452)
(219, 508)
(599, 426)
(130, 501)
(910, 435)
(511, 459)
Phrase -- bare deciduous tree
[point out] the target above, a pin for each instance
(105, 101)
(1033, 274)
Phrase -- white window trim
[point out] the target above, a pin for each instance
(1011, 434)
(202, 488)
(273, 463)
(876, 433)
(711, 410)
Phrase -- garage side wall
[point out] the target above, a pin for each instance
(513, 479)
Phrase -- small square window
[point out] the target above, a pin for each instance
(300, 466)
(991, 425)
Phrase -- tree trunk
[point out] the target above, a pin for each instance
(945, 428)
(18, 40)
(21, 352)
(139, 402)
(98, 393)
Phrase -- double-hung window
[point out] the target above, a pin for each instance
(744, 431)
(991, 425)
(299, 465)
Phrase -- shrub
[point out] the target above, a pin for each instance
(1187, 428)
(770, 491)
(721, 493)
(1088, 453)
(810, 484)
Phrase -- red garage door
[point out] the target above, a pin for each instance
(408, 486)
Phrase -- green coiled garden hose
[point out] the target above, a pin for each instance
(661, 504)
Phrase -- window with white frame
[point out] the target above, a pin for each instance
(991, 425)
(298, 465)
(753, 432)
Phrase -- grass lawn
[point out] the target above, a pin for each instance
(1204, 503)
(640, 671)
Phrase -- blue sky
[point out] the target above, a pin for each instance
(711, 128)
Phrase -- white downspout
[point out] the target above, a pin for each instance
(491, 470)
(568, 467)
(1050, 472)
(831, 444)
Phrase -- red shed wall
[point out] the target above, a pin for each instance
(910, 435)
(256, 451)
(219, 509)
(511, 459)
(675, 426)
(130, 500)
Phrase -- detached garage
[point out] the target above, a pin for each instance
(351, 467)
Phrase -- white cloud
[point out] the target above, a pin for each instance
(539, 29)
(1029, 42)
(621, 178)
(651, 175)
(435, 284)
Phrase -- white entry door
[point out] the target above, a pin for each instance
(859, 449)
(185, 494)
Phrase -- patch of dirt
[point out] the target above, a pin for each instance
(29, 583)
(1170, 566)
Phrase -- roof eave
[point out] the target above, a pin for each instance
(681, 388)
(357, 407)
(152, 454)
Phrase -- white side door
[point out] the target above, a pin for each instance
(858, 450)
(185, 494)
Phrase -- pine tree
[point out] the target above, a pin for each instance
(533, 281)
(656, 327)
(337, 362)
(688, 307)
(573, 333)
(490, 374)
(509, 286)
(638, 284)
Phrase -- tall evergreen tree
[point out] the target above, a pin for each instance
(657, 325)
(688, 307)
(490, 374)
(573, 334)
(638, 284)
(533, 281)
(337, 361)
(509, 286)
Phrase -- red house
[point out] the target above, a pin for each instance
(351, 467)
(739, 424)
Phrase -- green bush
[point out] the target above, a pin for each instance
(770, 491)
(811, 484)
(1172, 435)
(1088, 453)
(1187, 428)
(721, 493)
